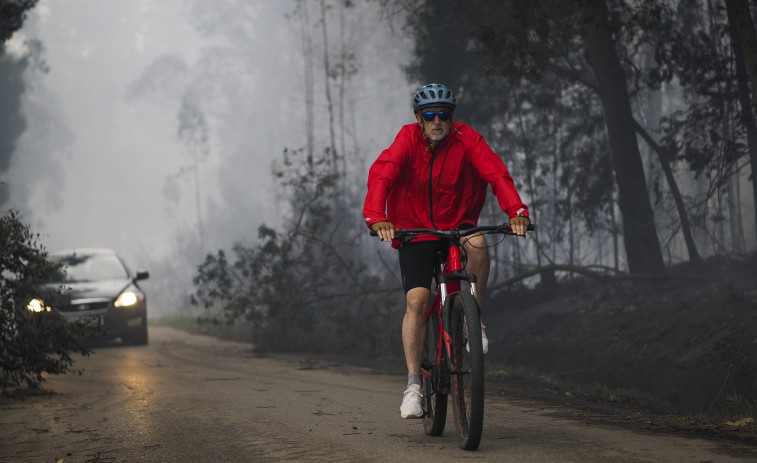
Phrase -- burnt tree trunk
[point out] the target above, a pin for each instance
(640, 235)
(740, 19)
(742, 34)
(674, 190)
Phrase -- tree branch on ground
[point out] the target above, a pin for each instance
(587, 271)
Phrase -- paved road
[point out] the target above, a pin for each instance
(187, 398)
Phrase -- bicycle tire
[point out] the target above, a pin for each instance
(434, 400)
(468, 376)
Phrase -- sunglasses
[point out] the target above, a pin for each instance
(429, 116)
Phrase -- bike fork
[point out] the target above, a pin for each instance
(472, 284)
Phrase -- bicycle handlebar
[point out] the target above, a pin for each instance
(401, 233)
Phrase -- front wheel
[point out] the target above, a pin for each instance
(434, 398)
(468, 375)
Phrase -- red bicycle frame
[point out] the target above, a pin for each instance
(445, 287)
(457, 365)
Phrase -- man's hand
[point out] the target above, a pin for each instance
(518, 225)
(385, 230)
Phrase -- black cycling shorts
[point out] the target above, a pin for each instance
(417, 262)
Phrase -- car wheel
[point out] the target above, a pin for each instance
(139, 338)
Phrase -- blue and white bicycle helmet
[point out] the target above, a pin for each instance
(433, 95)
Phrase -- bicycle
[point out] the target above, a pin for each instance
(453, 357)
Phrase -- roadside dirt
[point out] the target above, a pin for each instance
(677, 354)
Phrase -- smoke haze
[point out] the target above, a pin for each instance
(155, 129)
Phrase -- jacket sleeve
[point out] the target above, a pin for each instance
(493, 170)
(382, 175)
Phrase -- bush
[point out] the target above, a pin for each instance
(297, 297)
(304, 287)
(31, 343)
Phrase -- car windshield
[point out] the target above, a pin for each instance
(90, 267)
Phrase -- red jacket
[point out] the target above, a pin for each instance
(401, 181)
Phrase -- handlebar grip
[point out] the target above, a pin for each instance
(373, 232)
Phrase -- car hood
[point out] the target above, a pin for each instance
(109, 289)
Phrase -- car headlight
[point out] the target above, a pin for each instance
(129, 297)
(37, 305)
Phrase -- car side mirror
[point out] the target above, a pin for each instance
(142, 275)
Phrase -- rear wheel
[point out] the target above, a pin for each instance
(468, 375)
(434, 401)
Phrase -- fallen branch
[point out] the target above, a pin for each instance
(602, 276)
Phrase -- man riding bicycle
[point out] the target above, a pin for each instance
(434, 175)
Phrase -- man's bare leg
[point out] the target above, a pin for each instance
(478, 263)
(414, 327)
(413, 339)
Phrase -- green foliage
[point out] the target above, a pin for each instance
(703, 136)
(708, 133)
(31, 343)
(303, 288)
(12, 86)
(13, 122)
(12, 16)
(522, 79)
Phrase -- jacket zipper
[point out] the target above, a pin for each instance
(431, 189)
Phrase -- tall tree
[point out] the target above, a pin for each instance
(541, 49)
(697, 55)
(12, 122)
(193, 134)
(744, 39)
(741, 20)
(642, 245)
(12, 16)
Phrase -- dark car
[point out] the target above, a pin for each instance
(102, 290)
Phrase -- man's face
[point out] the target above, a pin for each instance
(436, 129)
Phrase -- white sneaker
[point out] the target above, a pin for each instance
(412, 402)
(484, 339)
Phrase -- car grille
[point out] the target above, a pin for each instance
(86, 305)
